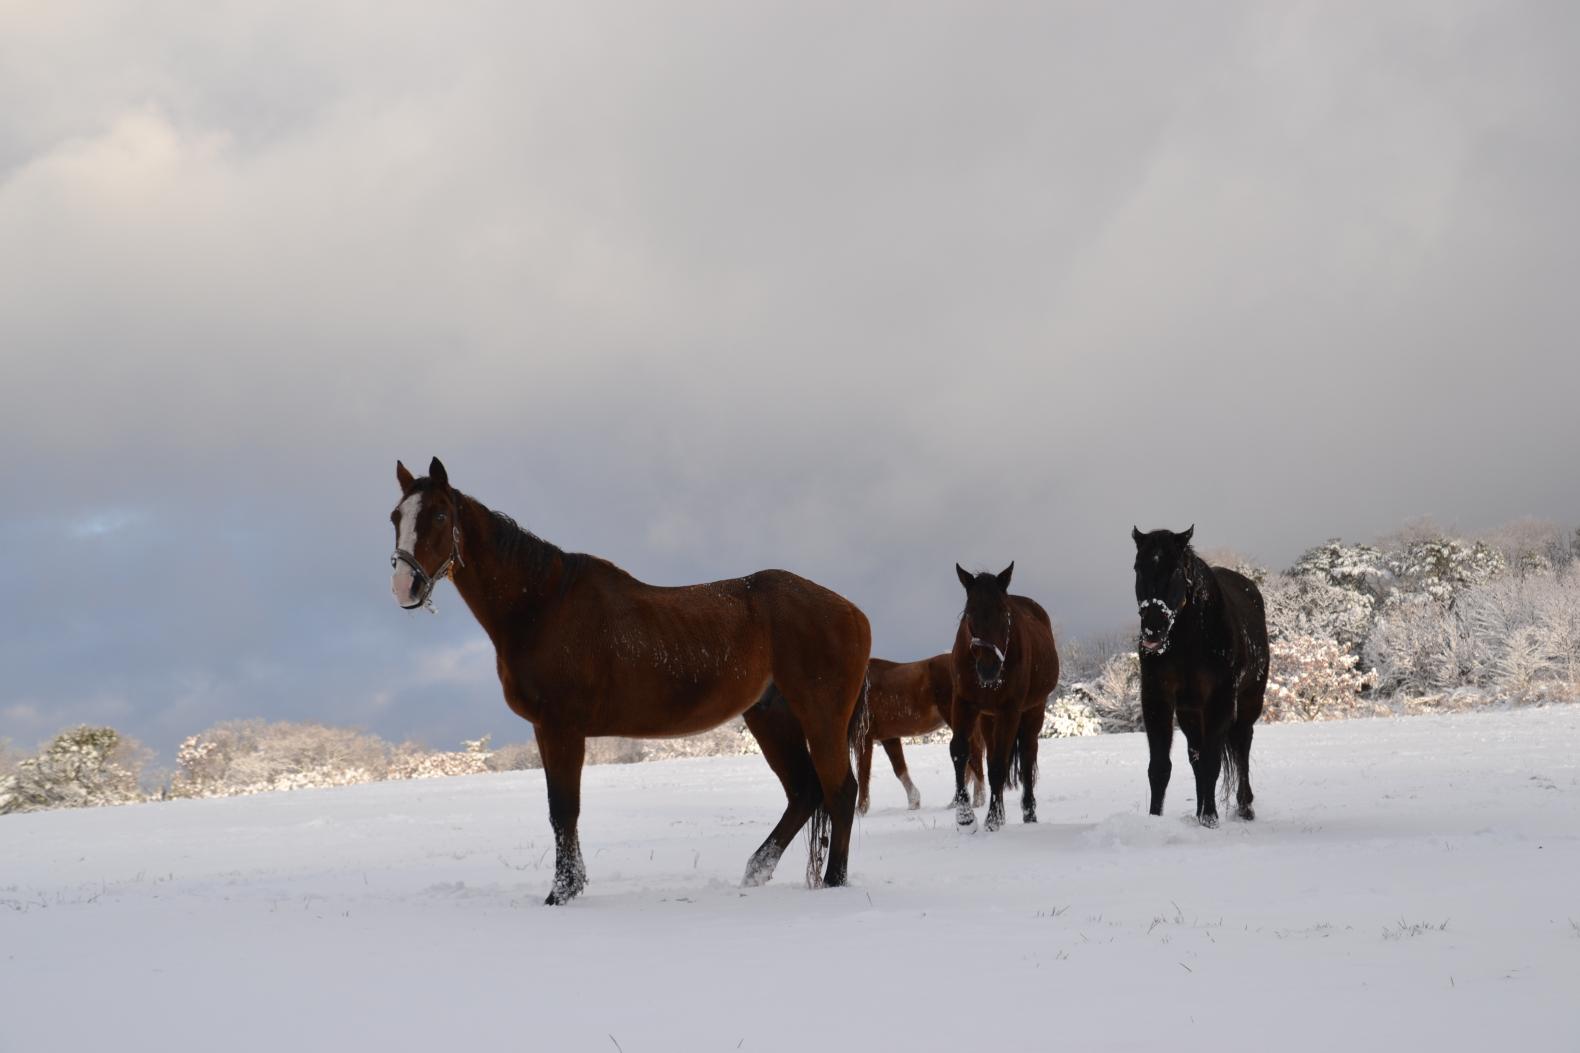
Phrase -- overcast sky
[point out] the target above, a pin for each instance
(855, 290)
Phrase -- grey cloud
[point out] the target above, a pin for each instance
(856, 291)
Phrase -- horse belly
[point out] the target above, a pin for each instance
(677, 706)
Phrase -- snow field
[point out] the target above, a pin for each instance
(407, 915)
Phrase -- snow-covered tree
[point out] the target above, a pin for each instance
(1113, 695)
(1358, 568)
(1437, 568)
(81, 767)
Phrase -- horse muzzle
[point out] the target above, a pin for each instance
(409, 583)
(989, 663)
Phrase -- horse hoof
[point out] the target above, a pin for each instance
(1248, 813)
(1028, 817)
(993, 823)
(760, 868)
(1209, 821)
(965, 818)
(914, 804)
(978, 799)
(862, 806)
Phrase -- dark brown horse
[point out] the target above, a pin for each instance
(584, 649)
(1204, 656)
(1003, 668)
(905, 699)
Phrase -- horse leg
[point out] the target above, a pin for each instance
(1026, 742)
(562, 755)
(1206, 761)
(978, 769)
(1159, 722)
(913, 797)
(1240, 745)
(963, 721)
(1000, 751)
(864, 773)
(779, 735)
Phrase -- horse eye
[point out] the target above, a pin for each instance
(439, 518)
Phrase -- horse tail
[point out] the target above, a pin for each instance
(1012, 780)
(860, 721)
(1231, 774)
(816, 846)
(817, 829)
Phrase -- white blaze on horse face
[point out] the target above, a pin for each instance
(403, 583)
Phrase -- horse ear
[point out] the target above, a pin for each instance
(1185, 537)
(1004, 575)
(437, 473)
(965, 579)
(403, 476)
(1136, 535)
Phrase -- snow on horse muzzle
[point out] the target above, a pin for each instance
(1154, 638)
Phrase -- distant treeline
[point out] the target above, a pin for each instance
(1424, 620)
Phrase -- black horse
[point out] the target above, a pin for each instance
(1203, 652)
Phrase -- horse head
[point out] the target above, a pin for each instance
(427, 534)
(986, 620)
(1162, 584)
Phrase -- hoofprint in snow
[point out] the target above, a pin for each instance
(1410, 883)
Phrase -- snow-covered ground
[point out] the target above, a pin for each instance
(1410, 884)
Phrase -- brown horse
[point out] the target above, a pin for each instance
(904, 699)
(1004, 666)
(584, 649)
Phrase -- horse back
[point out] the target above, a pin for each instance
(903, 697)
(1041, 651)
(1243, 604)
(1245, 615)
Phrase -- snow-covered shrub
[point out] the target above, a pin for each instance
(1531, 546)
(1301, 606)
(1513, 638)
(1113, 695)
(253, 756)
(615, 750)
(727, 740)
(413, 762)
(81, 767)
(518, 756)
(1313, 678)
(1068, 717)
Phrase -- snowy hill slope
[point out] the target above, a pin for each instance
(407, 916)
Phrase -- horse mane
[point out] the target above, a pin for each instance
(515, 544)
(1199, 575)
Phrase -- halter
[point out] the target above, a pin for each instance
(425, 584)
(1167, 629)
(1003, 660)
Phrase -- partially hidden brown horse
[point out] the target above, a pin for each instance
(1003, 667)
(585, 649)
(906, 699)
